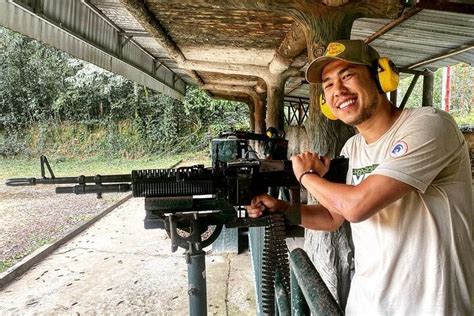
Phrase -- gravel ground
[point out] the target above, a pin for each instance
(33, 216)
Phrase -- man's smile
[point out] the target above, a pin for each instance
(346, 103)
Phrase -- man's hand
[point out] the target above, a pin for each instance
(308, 160)
(265, 202)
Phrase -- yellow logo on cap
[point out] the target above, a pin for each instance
(334, 49)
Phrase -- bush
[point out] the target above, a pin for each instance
(51, 103)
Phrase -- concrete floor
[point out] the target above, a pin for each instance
(118, 267)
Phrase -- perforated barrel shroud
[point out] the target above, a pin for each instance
(185, 181)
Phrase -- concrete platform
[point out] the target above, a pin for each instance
(118, 267)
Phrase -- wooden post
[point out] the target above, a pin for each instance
(251, 106)
(428, 83)
(275, 107)
(260, 126)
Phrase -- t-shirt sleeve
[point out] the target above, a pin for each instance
(422, 149)
(345, 152)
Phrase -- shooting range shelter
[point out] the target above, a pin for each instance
(254, 52)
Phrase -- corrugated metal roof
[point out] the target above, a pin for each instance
(424, 35)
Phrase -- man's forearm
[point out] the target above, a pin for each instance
(317, 217)
(356, 203)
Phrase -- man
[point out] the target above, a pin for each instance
(408, 193)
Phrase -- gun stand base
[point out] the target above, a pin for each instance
(196, 260)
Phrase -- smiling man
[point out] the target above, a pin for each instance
(408, 192)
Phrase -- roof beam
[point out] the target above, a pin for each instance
(245, 100)
(444, 55)
(292, 45)
(140, 12)
(387, 27)
(225, 68)
(290, 88)
(135, 34)
(238, 89)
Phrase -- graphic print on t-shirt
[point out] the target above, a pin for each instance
(399, 149)
(360, 174)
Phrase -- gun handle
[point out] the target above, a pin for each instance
(295, 195)
(293, 215)
(172, 222)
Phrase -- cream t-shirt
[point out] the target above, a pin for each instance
(414, 256)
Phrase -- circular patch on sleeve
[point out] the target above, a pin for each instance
(399, 149)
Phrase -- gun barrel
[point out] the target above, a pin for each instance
(89, 189)
(70, 180)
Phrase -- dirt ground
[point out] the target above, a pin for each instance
(116, 267)
(33, 216)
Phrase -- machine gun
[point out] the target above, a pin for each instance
(171, 195)
(194, 203)
(217, 192)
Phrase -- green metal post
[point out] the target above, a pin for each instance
(256, 237)
(299, 307)
(318, 296)
(281, 297)
(197, 282)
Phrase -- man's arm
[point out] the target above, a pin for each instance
(356, 203)
(312, 216)
(317, 217)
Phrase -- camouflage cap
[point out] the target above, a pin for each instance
(352, 51)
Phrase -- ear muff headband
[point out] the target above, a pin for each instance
(387, 75)
(325, 109)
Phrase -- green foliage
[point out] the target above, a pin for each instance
(462, 92)
(31, 76)
(52, 103)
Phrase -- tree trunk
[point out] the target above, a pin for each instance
(275, 107)
(259, 123)
(331, 252)
(251, 106)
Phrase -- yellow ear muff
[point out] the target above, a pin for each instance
(326, 109)
(387, 75)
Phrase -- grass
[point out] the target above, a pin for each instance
(27, 167)
(10, 261)
(5, 264)
(467, 119)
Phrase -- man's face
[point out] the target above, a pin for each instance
(350, 91)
